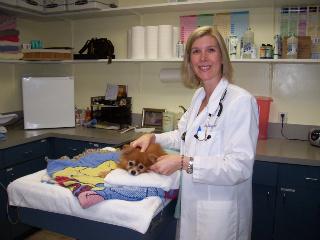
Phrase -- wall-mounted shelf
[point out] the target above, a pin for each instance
(157, 8)
(177, 60)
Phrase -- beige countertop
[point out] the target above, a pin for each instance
(112, 137)
(288, 151)
(271, 150)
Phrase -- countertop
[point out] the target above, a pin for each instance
(270, 150)
(111, 137)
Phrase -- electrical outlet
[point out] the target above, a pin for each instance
(283, 116)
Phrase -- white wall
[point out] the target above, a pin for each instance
(294, 87)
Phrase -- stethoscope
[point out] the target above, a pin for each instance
(217, 113)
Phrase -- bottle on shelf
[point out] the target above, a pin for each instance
(179, 49)
(248, 43)
(292, 46)
(232, 43)
(269, 51)
(263, 51)
(277, 47)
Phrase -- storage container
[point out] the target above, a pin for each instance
(264, 110)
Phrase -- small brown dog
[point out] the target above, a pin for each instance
(136, 162)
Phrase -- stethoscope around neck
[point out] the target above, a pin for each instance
(216, 113)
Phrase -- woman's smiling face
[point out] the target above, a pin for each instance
(205, 58)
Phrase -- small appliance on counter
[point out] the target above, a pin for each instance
(314, 137)
(3, 120)
(112, 112)
(48, 102)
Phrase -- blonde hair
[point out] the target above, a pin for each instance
(189, 78)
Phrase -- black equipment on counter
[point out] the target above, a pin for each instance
(112, 111)
(314, 137)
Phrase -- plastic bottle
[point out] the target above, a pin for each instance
(87, 117)
(248, 43)
(269, 51)
(263, 51)
(277, 47)
(180, 49)
(292, 43)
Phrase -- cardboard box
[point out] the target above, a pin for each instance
(47, 54)
(304, 47)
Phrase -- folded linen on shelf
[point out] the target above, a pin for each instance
(11, 56)
(120, 177)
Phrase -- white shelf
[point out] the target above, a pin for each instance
(177, 60)
(197, 5)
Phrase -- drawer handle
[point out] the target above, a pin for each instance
(96, 145)
(311, 179)
(287, 190)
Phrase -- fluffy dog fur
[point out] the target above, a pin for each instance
(136, 162)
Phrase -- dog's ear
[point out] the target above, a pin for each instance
(127, 149)
(152, 157)
(125, 146)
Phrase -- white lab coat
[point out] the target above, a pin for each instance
(216, 200)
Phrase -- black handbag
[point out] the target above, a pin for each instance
(97, 48)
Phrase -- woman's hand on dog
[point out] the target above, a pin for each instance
(167, 164)
(144, 141)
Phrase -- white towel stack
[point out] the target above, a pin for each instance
(120, 177)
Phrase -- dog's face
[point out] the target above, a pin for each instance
(137, 162)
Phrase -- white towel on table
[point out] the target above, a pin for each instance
(121, 177)
(30, 192)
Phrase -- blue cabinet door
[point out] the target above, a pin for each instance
(71, 148)
(67, 147)
(264, 189)
(4, 224)
(19, 161)
(298, 203)
(297, 214)
(263, 212)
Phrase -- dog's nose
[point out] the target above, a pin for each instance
(133, 172)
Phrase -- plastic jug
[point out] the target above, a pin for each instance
(248, 43)
(292, 43)
(264, 110)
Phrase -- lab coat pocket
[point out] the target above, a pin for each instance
(216, 220)
(212, 145)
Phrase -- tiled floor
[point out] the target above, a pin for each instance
(46, 235)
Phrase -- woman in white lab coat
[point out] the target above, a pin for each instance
(217, 138)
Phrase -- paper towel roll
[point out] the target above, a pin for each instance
(165, 41)
(129, 43)
(175, 40)
(151, 42)
(137, 51)
(170, 75)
